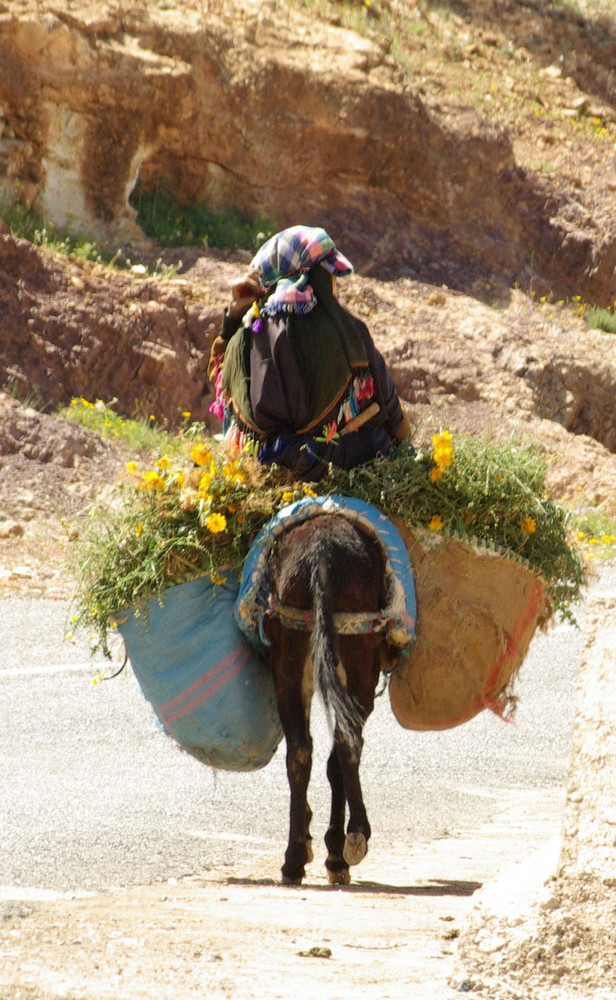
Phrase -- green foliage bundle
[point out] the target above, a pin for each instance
(171, 521)
(489, 493)
(198, 513)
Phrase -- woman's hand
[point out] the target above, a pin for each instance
(244, 292)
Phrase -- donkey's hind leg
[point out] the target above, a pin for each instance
(293, 695)
(361, 658)
(337, 867)
(299, 765)
(350, 849)
(358, 828)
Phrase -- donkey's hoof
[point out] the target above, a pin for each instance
(355, 848)
(309, 851)
(342, 877)
(291, 880)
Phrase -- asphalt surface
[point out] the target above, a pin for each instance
(94, 796)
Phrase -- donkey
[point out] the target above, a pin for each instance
(321, 568)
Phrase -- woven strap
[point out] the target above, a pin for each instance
(345, 622)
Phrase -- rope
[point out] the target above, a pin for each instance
(110, 677)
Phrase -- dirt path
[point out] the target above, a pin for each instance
(237, 933)
(488, 913)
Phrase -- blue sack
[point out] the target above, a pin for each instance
(210, 690)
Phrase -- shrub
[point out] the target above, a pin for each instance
(165, 221)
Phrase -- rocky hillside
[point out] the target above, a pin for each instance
(464, 142)
(461, 154)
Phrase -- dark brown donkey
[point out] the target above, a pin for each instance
(320, 568)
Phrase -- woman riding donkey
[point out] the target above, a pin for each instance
(298, 377)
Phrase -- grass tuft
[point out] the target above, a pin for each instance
(26, 224)
(601, 319)
(140, 435)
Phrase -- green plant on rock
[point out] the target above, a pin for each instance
(601, 319)
(171, 225)
(137, 434)
(27, 224)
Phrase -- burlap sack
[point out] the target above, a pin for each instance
(477, 611)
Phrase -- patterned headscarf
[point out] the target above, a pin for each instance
(283, 263)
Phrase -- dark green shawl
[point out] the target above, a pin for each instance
(328, 348)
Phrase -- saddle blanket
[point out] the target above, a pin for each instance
(397, 619)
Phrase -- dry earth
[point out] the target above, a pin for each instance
(464, 312)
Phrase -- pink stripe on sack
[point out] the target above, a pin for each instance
(227, 675)
(204, 679)
(511, 648)
(486, 700)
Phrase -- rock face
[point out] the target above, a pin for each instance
(235, 103)
(69, 330)
(74, 329)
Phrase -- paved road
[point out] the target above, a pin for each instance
(93, 796)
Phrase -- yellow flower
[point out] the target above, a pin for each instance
(131, 467)
(309, 492)
(233, 473)
(98, 678)
(436, 524)
(216, 523)
(436, 474)
(186, 414)
(443, 455)
(287, 496)
(138, 529)
(200, 454)
(152, 481)
(217, 580)
(529, 525)
(163, 463)
(204, 483)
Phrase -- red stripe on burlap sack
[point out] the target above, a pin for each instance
(477, 613)
(511, 650)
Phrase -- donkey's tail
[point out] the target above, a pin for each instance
(341, 707)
